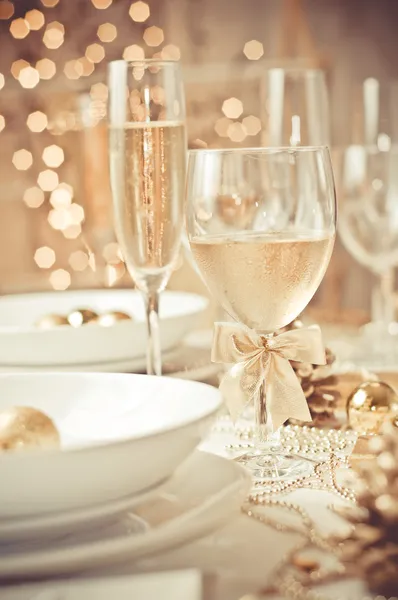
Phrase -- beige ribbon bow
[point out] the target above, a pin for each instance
(256, 359)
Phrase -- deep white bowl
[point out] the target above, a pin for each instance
(121, 434)
(24, 344)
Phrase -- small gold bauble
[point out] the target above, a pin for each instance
(111, 318)
(81, 316)
(24, 427)
(51, 321)
(370, 405)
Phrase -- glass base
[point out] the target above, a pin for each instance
(276, 466)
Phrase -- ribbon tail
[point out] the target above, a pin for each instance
(284, 395)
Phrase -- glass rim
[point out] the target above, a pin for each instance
(260, 150)
(145, 61)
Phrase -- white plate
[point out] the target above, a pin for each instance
(121, 434)
(184, 362)
(24, 344)
(52, 525)
(175, 585)
(202, 495)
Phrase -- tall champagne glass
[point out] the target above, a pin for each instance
(263, 269)
(147, 172)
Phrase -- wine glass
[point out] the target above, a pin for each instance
(147, 151)
(295, 108)
(264, 269)
(368, 228)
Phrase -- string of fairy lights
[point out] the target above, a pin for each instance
(42, 55)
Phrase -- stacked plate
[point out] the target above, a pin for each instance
(126, 480)
(35, 334)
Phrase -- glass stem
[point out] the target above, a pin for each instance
(153, 356)
(383, 298)
(266, 441)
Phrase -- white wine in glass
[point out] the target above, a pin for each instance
(147, 170)
(265, 269)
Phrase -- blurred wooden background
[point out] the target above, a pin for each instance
(352, 39)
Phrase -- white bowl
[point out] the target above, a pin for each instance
(120, 434)
(24, 344)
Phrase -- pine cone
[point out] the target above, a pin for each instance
(372, 547)
(319, 386)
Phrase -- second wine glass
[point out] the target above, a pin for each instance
(263, 270)
(147, 173)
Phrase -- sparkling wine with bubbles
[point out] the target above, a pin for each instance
(263, 280)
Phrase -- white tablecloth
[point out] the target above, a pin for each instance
(245, 553)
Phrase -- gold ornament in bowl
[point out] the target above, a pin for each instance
(82, 316)
(51, 321)
(370, 405)
(22, 427)
(111, 318)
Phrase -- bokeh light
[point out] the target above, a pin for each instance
(72, 232)
(232, 108)
(107, 32)
(61, 198)
(46, 68)
(133, 52)
(53, 36)
(221, 126)
(2, 123)
(153, 36)
(101, 4)
(78, 260)
(59, 219)
(22, 160)
(19, 29)
(33, 197)
(48, 180)
(6, 10)
(60, 279)
(67, 187)
(139, 11)
(53, 156)
(2, 81)
(86, 67)
(44, 257)
(111, 253)
(37, 121)
(17, 67)
(73, 69)
(35, 19)
(95, 53)
(113, 273)
(171, 52)
(99, 91)
(49, 3)
(253, 50)
(76, 213)
(236, 132)
(252, 125)
(29, 77)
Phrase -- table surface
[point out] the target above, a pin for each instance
(244, 553)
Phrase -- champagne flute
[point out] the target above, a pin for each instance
(264, 269)
(147, 172)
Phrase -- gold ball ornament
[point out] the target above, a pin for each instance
(111, 318)
(22, 427)
(81, 316)
(51, 321)
(370, 405)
